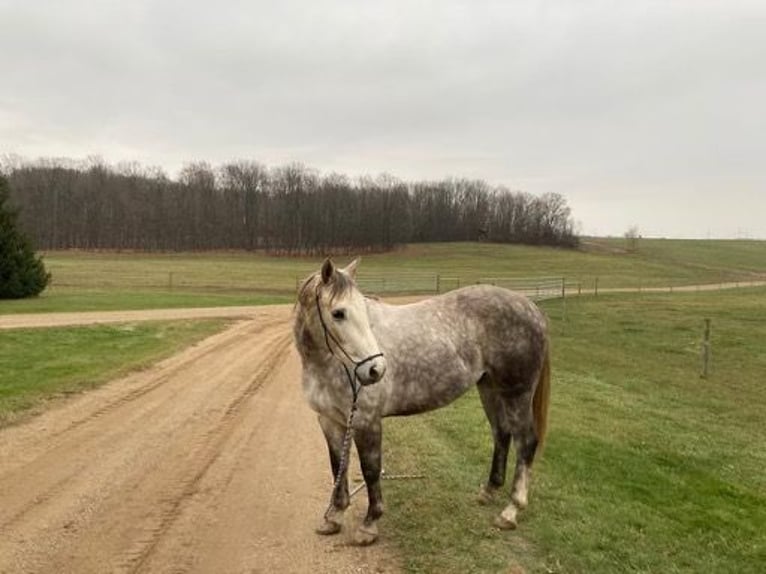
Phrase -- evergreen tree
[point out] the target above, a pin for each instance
(22, 273)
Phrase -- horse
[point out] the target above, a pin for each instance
(363, 360)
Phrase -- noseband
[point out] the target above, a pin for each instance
(357, 364)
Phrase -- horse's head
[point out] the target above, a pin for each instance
(332, 322)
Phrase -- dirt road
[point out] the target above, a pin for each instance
(34, 320)
(208, 462)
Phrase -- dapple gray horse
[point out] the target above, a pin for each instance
(408, 359)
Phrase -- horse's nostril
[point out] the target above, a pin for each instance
(374, 373)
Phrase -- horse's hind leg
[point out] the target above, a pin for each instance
(493, 405)
(333, 519)
(526, 446)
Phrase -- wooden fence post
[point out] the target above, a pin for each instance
(706, 351)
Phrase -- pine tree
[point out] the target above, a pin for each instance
(22, 273)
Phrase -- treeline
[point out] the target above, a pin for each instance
(287, 210)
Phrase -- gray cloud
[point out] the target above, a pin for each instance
(645, 113)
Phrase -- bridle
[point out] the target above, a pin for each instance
(328, 336)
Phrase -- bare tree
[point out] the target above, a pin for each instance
(632, 236)
(288, 209)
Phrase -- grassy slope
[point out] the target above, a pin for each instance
(717, 256)
(648, 468)
(39, 364)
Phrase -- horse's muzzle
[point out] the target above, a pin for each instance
(371, 372)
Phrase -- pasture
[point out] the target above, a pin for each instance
(647, 468)
(105, 280)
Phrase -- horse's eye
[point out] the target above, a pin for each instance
(339, 314)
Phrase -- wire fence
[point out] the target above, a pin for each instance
(226, 280)
(412, 283)
(434, 283)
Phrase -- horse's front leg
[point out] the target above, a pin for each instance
(332, 521)
(368, 444)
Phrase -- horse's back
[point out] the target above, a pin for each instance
(447, 343)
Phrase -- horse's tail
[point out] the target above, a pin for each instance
(541, 399)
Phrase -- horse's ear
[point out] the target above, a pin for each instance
(328, 270)
(350, 269)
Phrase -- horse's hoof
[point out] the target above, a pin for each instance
(504, 523)
(486, 495)
(328, 528)
(365, 535)
(507, 518)
(519, 500)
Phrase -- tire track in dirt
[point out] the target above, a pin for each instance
(66, 438)
(209, 461)
(210, 452)
(169, 372)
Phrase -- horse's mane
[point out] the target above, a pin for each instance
(339, 285)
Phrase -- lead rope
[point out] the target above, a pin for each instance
(344, 456)
(345, 451)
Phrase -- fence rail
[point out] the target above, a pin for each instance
(534, 287)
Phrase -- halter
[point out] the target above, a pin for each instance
(357, 364)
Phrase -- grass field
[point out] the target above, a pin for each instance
(84, 280)
(716, 256)
(37, 365)
(648, 468)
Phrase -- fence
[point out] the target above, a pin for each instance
(226, 279)
(427, 283)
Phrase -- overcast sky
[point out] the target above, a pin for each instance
(648, 113)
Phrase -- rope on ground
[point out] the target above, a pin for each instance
(385, 476)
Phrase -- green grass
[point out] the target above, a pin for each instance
(648, 468)
(57, 299)
(101, 280)
(716, 256)
(37, 365)
(657, 266)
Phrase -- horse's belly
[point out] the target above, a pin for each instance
(426, 394)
